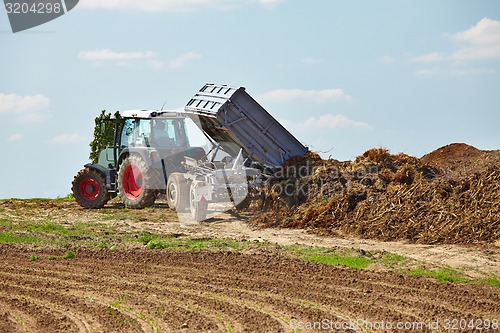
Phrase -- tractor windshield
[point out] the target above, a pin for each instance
(168, 133)
(157, 133)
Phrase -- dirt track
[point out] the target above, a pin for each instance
(141, 290)
(133, 289)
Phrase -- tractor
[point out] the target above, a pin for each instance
(150, 155)
(148, 147)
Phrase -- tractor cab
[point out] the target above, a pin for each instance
(147, 146)
(147, 132)
(159, 130)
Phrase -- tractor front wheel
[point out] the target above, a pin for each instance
(89, 189)
(135, 183)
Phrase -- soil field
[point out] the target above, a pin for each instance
(114, 283)
(165, 291)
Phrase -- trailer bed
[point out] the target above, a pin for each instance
(233, 119)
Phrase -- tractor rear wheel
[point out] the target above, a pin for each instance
(135, 183)
(89, 188)
(177, 192)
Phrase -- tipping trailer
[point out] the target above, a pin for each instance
(254, 141)
(151, 154)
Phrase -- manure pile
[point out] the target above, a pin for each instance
(447, 196)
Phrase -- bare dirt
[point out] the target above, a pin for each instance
(461, 160)
(474, 260)
(138, 290)
(133, 289)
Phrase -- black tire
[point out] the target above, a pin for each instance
(198, 209)
(177, 192)
(135, 183)
(89, 188)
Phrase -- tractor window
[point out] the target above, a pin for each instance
(179, 128)
(168, 133)
(135, 133)
(127, 130)
(160, 133)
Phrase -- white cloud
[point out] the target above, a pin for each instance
(316, 96)
(331, 121)
(123, 59)
(66, 139)
(387, 60)
(310, 61)
(474, 71)
(480, 42)
(183, 59)
(325, 122)
(477, 53)
(429, 57)
(485, 32)
(15, 137)
(270, 3)
(439, 71)
(106, 54)
(106, 57)
(428, 71)
(25, 108)
(175, 5)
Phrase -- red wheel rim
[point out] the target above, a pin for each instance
(89, 189)
(132, 181)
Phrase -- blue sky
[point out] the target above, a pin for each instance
(342, 76)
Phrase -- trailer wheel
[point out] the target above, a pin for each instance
(135, 183)
(177, 192)
(89, 189)
(198, 208)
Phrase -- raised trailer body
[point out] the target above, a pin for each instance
(233, 119)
